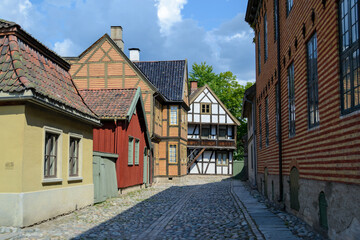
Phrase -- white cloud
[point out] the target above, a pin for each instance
(169, 13)
(18, 11)
(65, 48)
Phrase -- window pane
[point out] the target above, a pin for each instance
(173, 115)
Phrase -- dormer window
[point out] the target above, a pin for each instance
(205, 108)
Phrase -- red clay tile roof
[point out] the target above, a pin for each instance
(24, 68)
(109, 103)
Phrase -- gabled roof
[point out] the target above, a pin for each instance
(109, 103)
(119, 104)
(23, 67)
(106, 37)
(167, 76)
(198, 91)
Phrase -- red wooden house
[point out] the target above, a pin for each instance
(124, 132)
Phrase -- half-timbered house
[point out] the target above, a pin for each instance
(164, 91)
(211, 133)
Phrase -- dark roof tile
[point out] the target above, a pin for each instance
(167, 76)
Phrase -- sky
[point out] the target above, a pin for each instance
(211, 31)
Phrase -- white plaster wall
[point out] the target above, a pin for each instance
(228, 119)
(196, 118)
(196, 107)
(24, 209)
(215, 119)
(214, 108)
(206, 100)
(205, 118)
(193, 169)
(222, 118)
(211, 97)
(199, 97)
(211, 168)
(221, 110)
(189, 117)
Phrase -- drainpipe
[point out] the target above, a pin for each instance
(254, 135)
(281, 186)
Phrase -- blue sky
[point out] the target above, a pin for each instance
(211, 31)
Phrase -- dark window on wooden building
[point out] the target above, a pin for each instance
(349, 56)
(51, 155)
(291, 89)
(277, 112)
(205, 131)
(313, 93)
(267, 121)
(260, 129)
(265, 38)
(289, 5)
(222, 132)
(276, 19)
(74, 157)
(259, 54)
(222, 158)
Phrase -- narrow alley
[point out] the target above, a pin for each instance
(211, 207)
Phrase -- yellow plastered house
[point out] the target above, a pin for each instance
(46, 133)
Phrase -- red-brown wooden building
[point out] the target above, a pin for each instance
(307, 109)
(124, 132)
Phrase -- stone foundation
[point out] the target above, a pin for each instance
(343, 207)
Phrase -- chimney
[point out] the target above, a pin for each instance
(116, 35)
(193, 86)
(134, 54)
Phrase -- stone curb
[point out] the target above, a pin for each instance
(254, 228)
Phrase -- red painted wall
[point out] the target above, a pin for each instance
(114, 138)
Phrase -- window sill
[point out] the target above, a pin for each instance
(74, 179)
(52, 180)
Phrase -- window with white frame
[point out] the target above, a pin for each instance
(222, 158)
(131, 151)
(137, 151)
(173, 115)
(74, 157)
(349, 55)
(172, 154)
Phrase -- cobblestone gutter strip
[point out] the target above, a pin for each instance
(155, 228)
(254, 228)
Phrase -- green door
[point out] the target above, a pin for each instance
(104, 176)
(145, 167)
(294, 189)
(98, 172)
(266, 183)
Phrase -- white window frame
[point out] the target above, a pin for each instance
(80, 158)
(58, 177)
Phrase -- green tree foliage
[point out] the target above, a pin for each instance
(228, 90)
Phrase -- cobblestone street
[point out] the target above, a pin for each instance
(198, 208)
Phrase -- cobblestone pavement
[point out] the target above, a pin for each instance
(198, 208)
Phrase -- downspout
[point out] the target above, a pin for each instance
(254, 135)
(281, 186)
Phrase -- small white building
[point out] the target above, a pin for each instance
(211, 133)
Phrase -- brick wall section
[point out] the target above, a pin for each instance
(331, 151)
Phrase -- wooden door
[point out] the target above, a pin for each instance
(266, 183)
(294, 189)
(98, 172)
